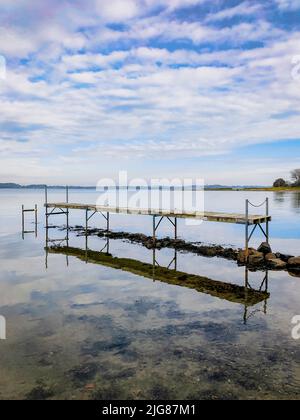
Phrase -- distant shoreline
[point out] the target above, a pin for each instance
(12, 186)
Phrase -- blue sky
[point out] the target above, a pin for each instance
(161, 88)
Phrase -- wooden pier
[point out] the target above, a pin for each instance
(248, 220)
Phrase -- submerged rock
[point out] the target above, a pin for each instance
(84, 372)
(40, 392)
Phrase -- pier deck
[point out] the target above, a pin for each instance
(235, 218)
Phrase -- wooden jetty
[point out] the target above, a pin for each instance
(247, 219)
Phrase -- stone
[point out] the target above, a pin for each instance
(256, 258)
(283, 257)
(294, 263)
(241, 257)
(149, 244)
(265, 248)
(271, 256)
(277, 264)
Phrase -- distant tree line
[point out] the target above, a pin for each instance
(295, 176)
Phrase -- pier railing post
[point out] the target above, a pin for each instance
(154, 229)
(267, 219)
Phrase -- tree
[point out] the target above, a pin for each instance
(280, 183)
(296, 177)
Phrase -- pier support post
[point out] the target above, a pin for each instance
(46, 206)
(23, 221)
(156, 226)
(86, 221)
(36, 219)
(247, 230)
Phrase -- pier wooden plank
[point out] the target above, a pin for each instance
(234, 218)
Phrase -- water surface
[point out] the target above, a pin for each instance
(78, 330)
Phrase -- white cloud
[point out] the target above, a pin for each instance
(288, 4)
(243, 9)
(117, 10)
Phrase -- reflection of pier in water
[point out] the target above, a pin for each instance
(245, 295)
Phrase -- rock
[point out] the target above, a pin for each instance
(277, 264)
(283, 257)
(256, 258)
(265, 248)
(271, 256)
(294, 263)
(241, 257)
(149, 244)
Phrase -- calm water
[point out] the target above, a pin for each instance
(77, 330)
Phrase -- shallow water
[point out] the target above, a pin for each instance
(77, 330)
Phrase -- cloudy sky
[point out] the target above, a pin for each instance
(189, 88)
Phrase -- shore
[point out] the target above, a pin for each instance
(273, 189)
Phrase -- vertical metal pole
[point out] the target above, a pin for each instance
(67, 194)
(246, 294)
(47, 242)
(36, 219)
(86, 234)
(23, 222)
(46, 206)
(175, 265)
(67, 239)
(267, 221)
(266, 290)
(86, 221)
(154, 230)
(107, 222)
(247, 230)
(153, 264)
(175, 228)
